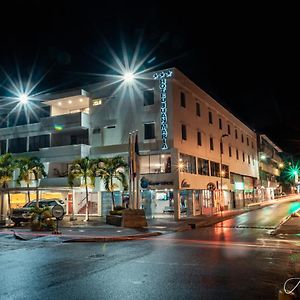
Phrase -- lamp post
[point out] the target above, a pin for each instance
(221, 175)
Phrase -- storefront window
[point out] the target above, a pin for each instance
(188, 163)
(203, 168)
(153, 164)
(214, 169)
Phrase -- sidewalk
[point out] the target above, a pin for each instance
(105, 233)
(96, 230)
(206, 221)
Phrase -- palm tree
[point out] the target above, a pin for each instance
(7, 168)
(111, 169)
(87, 169)
(31, 167)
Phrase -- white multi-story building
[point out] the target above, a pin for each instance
(184, 135)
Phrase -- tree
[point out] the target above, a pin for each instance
(31, 168)
(87, 169)
(7, 168)
(111, 169)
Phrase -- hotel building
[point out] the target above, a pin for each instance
(195, 156)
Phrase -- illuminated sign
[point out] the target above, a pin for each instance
(239, 185)
(162, 77)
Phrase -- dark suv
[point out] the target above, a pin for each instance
(24, 214)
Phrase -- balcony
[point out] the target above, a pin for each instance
(78, 120)
(64, 153)
(65, 122)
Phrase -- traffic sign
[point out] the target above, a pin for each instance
(211, 186)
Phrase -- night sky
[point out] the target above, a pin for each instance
(246, 57)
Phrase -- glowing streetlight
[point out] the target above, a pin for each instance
(128, 77)
(23, 98)
(263, 157)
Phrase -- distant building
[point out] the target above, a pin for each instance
(270, 166)
(184, 134)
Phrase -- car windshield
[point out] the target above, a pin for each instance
(42, 203)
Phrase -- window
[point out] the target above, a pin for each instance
(214, 169)
(148, 97)
(228, 129)
(2, 146)
(249, 159)
(97, 102)
(199, 139)
(229, 151)
(220, 123)
(210, 119)
(203, 168)
(182, 99)
(183, 132)
(211, 143)
(242, 138)
(17, 145)
(40, 141)
(243, 156)
(188, 163)
(225, 171)
(221, 147)
(149, 131)
(236, 134)
(252, 145)
(247, 141)
(198, 112)
(152, 164)
(237, 154)
(253, 160)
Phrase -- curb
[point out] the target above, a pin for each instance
(112, 238)
(282, 221)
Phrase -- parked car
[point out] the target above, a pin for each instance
(24, 214)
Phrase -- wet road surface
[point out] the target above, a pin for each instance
(209, 263)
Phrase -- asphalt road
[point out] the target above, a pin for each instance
(210, 263)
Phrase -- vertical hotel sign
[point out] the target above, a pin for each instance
(162, 77)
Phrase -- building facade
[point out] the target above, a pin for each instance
(270, 166)
(195, 156)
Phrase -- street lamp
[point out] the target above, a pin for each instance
(128, 77)
(221, 169)
(23, 98)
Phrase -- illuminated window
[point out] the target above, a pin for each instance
(97, 102)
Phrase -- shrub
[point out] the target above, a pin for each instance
(42, 219)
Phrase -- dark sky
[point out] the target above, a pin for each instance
(246, 57)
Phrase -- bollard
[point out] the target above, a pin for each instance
(284, 296)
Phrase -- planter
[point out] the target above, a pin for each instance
(114, 220)
(132, 218)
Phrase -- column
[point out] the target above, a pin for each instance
(176, 204)
(193, 203)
